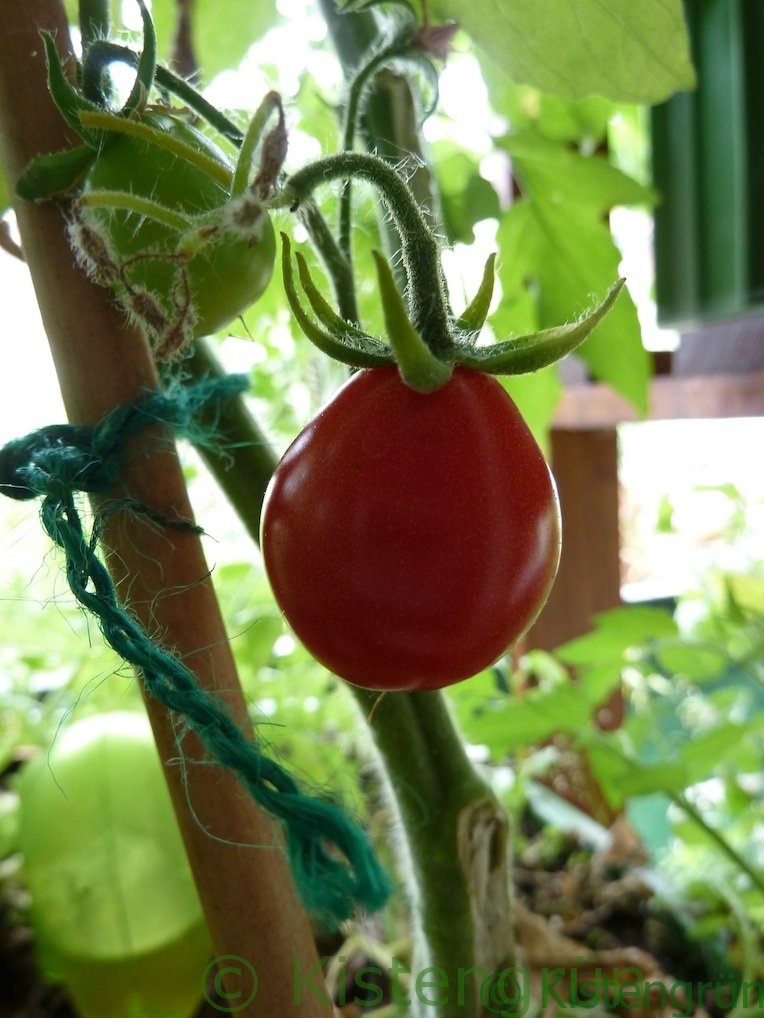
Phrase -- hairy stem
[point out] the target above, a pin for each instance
(456, 844)
(243, 461)
(421, 254)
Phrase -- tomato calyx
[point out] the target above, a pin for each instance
(424, 338)
(158, 213)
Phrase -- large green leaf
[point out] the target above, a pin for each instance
(557, 239)
(536, 396)
(466, 197)
(625, 50)
(614, 633)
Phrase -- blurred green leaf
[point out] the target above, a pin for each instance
(466, 197)
(506, 723)
(694, 661)
(615, 631)
(584, 122)
(555, 240)
(585, 184)
(626, 51)
(536, 395)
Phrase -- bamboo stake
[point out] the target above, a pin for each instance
(247, 892)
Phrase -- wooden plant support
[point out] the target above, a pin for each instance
(242, 874)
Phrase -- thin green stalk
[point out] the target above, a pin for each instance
(251, 140)
(756, 878)
(144, 132)
(336, 264)
(390, 121)
(356, 89)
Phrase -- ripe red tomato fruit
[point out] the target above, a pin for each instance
(411, 539)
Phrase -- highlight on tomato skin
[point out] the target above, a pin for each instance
(411, 539)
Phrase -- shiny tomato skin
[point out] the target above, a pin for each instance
(227, 275)
(410, 539)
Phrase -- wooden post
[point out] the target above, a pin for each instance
(585, 465)
(241, 872)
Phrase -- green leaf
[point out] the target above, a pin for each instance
(68, 100)
(615, 631)
(586, 121)
(624, 50)
(697, 662)
(705, 752)
(536, 396)
(620, 777)
(527, 722)
(556, 240)
(466, 197)
(570, 179)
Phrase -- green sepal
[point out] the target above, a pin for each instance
(68, 100)
(147, 63)
(472, 319)
(56, 175)
(419, 367)
(109, 124)
(329, 318)
(348, 349)
(537, 350)
(147, 208)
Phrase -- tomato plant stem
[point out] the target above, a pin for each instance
(357, 87)
(242, 461)
(95, 20)
(241, 873)
(456, 834)
(390, 121)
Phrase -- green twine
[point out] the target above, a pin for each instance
(58, 461)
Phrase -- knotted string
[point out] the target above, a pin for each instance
(57, 462)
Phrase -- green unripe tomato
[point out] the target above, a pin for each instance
(227, 274)
(114, 908)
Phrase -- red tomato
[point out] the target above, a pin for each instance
(411, 539)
